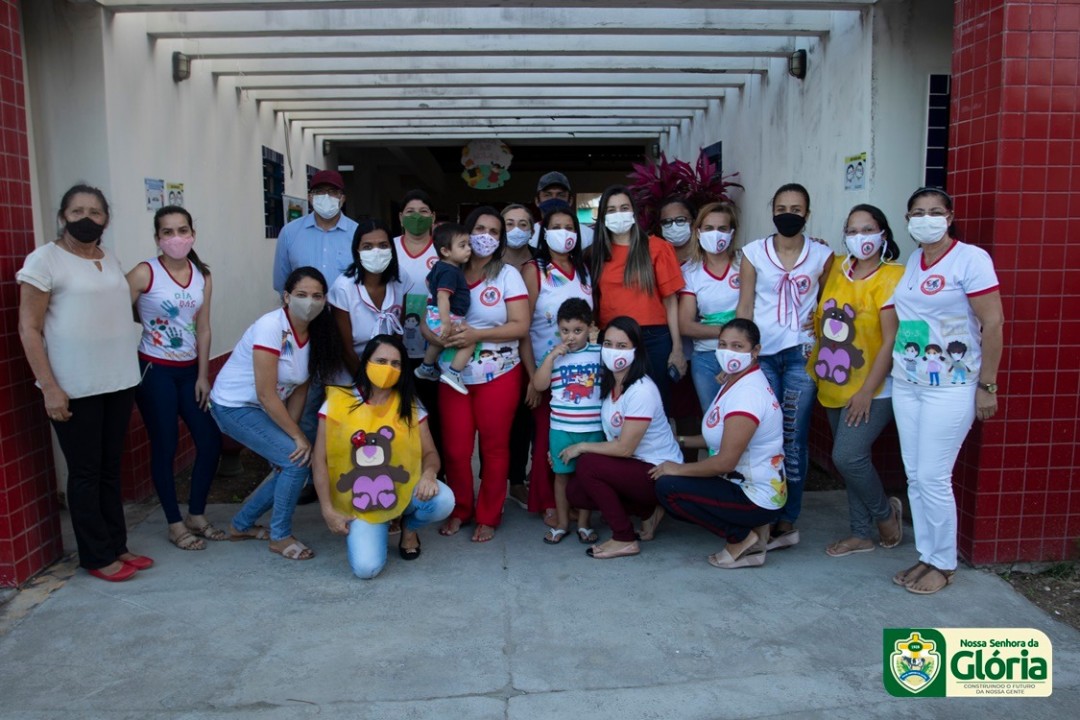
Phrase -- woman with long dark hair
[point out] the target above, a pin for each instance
(172, 292)
(375, 460)
(259, 395)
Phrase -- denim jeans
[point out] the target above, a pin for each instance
(253, 428)
(657, 341)
(867, 502)
(367, 541)
(703, 370)
(786, 373)
(165, 393)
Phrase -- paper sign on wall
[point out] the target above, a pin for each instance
(294, 207)
(155, 193)
(855, 172)
(175, 192)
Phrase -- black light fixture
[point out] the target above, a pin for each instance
(181, 66)
(796, 64)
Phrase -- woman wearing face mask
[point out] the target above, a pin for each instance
(739, 489)
(851, 363)
(636, 275)
(613, 476)
(779, 285)
(369, 298)
(948, 297)
(557, 275)
(377, 421)
(75, 327)
(172, 296)
(676, 225)
(258, 397)
(498, 318)
(711, 294)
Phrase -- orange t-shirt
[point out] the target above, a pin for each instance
(617, 299)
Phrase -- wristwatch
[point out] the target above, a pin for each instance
(989, 387)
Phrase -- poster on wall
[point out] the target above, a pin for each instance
(155, 193)
(294, 207)
(486, 164)
(855, 172)
(175, 192)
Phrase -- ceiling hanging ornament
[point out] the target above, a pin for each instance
(487, 164)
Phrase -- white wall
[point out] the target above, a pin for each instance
(865, 90)
(107, 111)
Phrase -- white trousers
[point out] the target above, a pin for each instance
(932, 423)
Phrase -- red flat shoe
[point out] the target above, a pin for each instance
(139, 562)
(126, 572)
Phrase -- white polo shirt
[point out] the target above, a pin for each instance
(641, 401)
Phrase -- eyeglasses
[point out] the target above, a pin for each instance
(932, 212)
(677, 222)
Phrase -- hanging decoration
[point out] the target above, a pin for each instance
(486, 164)
(652, 182)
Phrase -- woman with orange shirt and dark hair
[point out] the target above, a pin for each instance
(637, 276)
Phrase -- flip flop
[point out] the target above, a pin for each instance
(587, 536)
(845, 549)
(946, 580)
(898, 511)
(554, 536)
(255, 532)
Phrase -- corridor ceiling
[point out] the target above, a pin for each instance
(431, 71)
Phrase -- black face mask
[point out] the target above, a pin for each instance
(552, 204)
(85, 230)
(789, 224)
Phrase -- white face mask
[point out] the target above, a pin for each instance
(560, 241)
(305, 308)
(376, 260)
(732, 362)
(928, 229)
(864, 247)
(616, 360)
(715, 241)
(325, 206)
(677, 235)
(483, 244)
(517, 237)
(619, 222)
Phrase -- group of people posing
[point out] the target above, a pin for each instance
(391, 357)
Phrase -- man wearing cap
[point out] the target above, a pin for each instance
(320, 239)
(553, 191)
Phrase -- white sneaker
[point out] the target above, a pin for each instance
(454, 382)
(425, 373)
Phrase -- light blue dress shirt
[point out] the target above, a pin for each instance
(302, 242)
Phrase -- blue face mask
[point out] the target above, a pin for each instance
(553, 204)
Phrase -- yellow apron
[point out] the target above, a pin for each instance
(373, 457)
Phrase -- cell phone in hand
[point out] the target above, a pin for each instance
(674, 374)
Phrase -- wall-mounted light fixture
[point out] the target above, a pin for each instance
(181, 66)
(796, 64)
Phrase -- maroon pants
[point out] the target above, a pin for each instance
(617, 487)
(541, 478)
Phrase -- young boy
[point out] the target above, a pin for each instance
(572, 371)
(448, 302)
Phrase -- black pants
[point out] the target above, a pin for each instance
(428, 393)
(93, 444)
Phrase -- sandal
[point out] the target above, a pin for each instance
(187, 541)
(938, 580)
(898, 513)
(912, 573)
(751, 557)
(295, 550)
(207, 530)
(598, 553)
(408, 553)
(255, 532)
(554, 536)
(845, 547)
(587, 536)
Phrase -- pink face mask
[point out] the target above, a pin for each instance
(177, 247)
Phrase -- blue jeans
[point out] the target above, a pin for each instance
(166, 392)
(252, 427)
(703, 370)
(786, 373)
(657, 341)
(367, 541)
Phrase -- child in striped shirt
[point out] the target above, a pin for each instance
(572, 370)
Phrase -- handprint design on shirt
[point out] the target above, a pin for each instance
(170, 309)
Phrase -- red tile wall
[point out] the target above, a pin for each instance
(29, 508)
(1015, 176)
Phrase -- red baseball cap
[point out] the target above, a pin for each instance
(327, 177)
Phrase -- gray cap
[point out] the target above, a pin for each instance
(553, 178)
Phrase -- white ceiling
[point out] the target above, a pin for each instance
(431, 70)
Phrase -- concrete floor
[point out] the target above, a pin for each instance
(511, 629)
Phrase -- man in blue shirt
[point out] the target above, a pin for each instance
(322, 238)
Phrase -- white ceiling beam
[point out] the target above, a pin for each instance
(234, 5)
(560, 21)
(421, 93)
(606, 79)
(306, 109)
(520, 134)
(480, 123)
(477, 66)
(311, 118)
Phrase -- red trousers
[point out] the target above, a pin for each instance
(488, 409)
(617, 487)
(541, 478)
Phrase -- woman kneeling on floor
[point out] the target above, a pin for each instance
(375, 460)
(739, 490)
